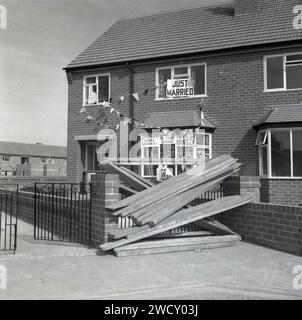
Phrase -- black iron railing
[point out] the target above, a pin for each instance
(62, 213)
(9, 207)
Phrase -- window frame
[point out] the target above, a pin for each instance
(172, 68)
(269, 154)
(7, 161)
(177, 161)
(44, 158)
(25, 161)
(266, 89)
(97, 84)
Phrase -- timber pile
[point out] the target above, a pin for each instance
(133, 181)
(164, 207)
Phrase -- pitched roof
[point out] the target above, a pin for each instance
(191, 31)
(177, 119)
(282, 114)
(34, 150)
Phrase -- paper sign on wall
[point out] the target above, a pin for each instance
(180, 88)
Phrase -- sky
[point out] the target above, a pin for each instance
(41, 38)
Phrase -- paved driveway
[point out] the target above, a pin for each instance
(43, 271)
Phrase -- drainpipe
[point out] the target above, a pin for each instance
(131, 88)
(131, 103)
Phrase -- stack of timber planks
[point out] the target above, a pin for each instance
(133, 181)
(164, 207)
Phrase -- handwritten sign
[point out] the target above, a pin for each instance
(177, 88)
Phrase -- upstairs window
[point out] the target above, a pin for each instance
(25, 160)
(283, 72)
(6, 158)
(181, 82)
(96, 89)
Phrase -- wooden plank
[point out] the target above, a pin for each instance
(145, 181)
(179, 242)
(176, 245)
(158, 205)
(182, 235)
(177, 249)
(128, 191)
(161, 186)
(173, 187)
(173, 190)
(162, 213)
(124, 233)
(126, 177)
(215, 226)
(185, 217)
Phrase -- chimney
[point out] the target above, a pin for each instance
(247, 7)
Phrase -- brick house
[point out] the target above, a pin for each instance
(23, 159)
(244, 59)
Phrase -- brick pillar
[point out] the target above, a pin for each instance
(243, 185)
(105, 191)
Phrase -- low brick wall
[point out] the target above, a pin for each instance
(274, 226)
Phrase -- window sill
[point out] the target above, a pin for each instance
(92, 105)
(281, 178)
(280, 90)
(182, 98)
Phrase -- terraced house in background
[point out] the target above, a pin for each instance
(32, 160)
(242, 59)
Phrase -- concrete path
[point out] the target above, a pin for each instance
(48, 271)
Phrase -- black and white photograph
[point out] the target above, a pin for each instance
(151, 151)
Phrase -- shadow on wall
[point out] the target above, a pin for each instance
(247, 153)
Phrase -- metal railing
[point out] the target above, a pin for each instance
(62, 213)
(9, 208)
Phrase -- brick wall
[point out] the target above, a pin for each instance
(274, 226)
(235, 88)
(105, 192)
(285, 191)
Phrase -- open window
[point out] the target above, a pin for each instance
(25, 160)
(96, 89)
(280, 153)
(262, 143)
(283, 72)
(181, 81)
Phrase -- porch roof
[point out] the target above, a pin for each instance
(281, 114)
(178, 119)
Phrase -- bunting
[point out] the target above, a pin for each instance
(120, 99)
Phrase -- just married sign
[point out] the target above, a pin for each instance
(177, 88)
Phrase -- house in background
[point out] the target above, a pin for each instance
(244, 59)
(21, 159)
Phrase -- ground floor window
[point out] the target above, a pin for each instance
(176, 150)
(280, 153)
(25, 160)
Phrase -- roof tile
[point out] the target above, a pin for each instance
(190, 31)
